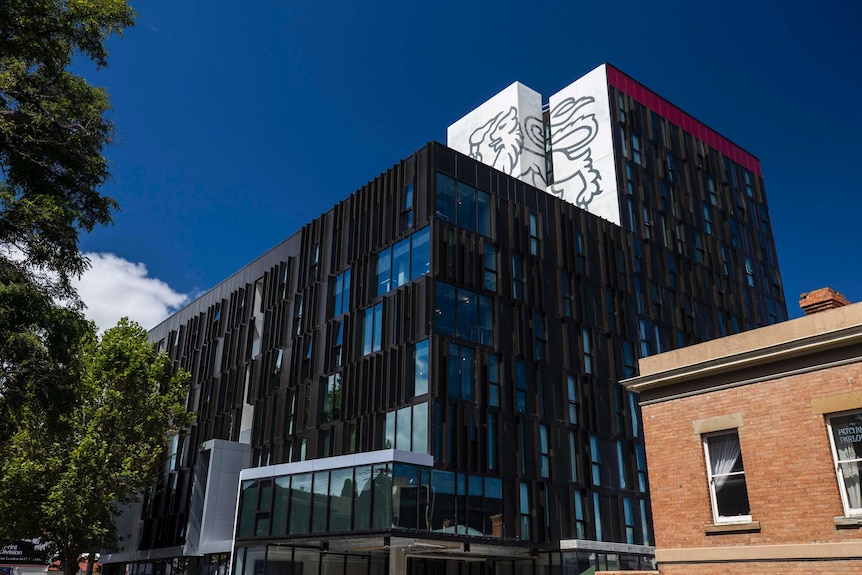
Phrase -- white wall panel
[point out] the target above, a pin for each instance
(505, 132)
(582, 144)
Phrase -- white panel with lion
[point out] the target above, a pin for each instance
(582, 146)
(506, 132)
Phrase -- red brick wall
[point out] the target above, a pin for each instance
(791, 481)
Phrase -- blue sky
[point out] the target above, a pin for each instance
(237, 122)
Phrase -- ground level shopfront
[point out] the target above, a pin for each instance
(377, 513)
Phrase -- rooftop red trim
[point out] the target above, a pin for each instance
(698, 129)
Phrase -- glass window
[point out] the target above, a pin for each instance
(483, 212)
(341, 294)
(544, 451)
(340, 499)
(420, 372)
(845, 433)
(467, 314)
(466, 210)
(596, 460)
(384, 271)
(389, 431)
(525, 508)
(463, 313)
(588, 347)
(535, 238)
(362, 492)
(568, 296)
(420, 428)
(726, 473)
(580, 522)
(320, 493)
(407, 208)
(540, 337)
(420, 257)
(402, 429)
(464, 205)
(636, 149)
(493, 381)
(405, 261)
(640, 453)
(460, 372)
(401, 263)
(520, 387)
(445, 198)
(331, 404)
(445, 305)
(248, 508)
(381, 516)
(300, 503)
(490, 265)
(518, 277)
(573, 399)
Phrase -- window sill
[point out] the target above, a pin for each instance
(854, 522)
(722, 528)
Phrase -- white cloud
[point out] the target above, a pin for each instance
(114, 287)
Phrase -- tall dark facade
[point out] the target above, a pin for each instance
(428, 373)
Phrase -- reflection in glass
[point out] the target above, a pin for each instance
(420, 359)
(320, 493)
(420, 428)
(340, 499)
(300, 503)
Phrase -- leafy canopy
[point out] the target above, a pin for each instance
(52, 133)
(65, 481)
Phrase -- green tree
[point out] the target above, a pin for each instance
(65, 481)
(52, 132)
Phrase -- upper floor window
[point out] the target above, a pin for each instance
(845, 435)
(407, 207)
(372, 329)
(463, 313)
(726, 475)
(459, 373)
(341, 294)
(535, 237)
(463, 205)
(405, 261)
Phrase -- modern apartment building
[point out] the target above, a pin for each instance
(425, 378)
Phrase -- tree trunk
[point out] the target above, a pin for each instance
(91, 560)
(70, 562)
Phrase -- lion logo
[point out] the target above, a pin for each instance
(572, 132)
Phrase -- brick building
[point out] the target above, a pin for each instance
(754, 444)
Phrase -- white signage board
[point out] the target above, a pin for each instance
(582, 143)
(506, 132)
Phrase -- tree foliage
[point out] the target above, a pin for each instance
(65, 481)
(52, 132)
(53, 129)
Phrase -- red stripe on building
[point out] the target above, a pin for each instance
(671, 113)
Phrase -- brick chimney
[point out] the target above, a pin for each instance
(821, 300)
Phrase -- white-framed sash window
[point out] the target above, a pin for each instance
(726, 473)
(845, 437)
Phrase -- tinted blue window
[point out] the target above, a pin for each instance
(466, 206)
(444, 304)
(421, 258)
(445, 201)
(384, 271)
